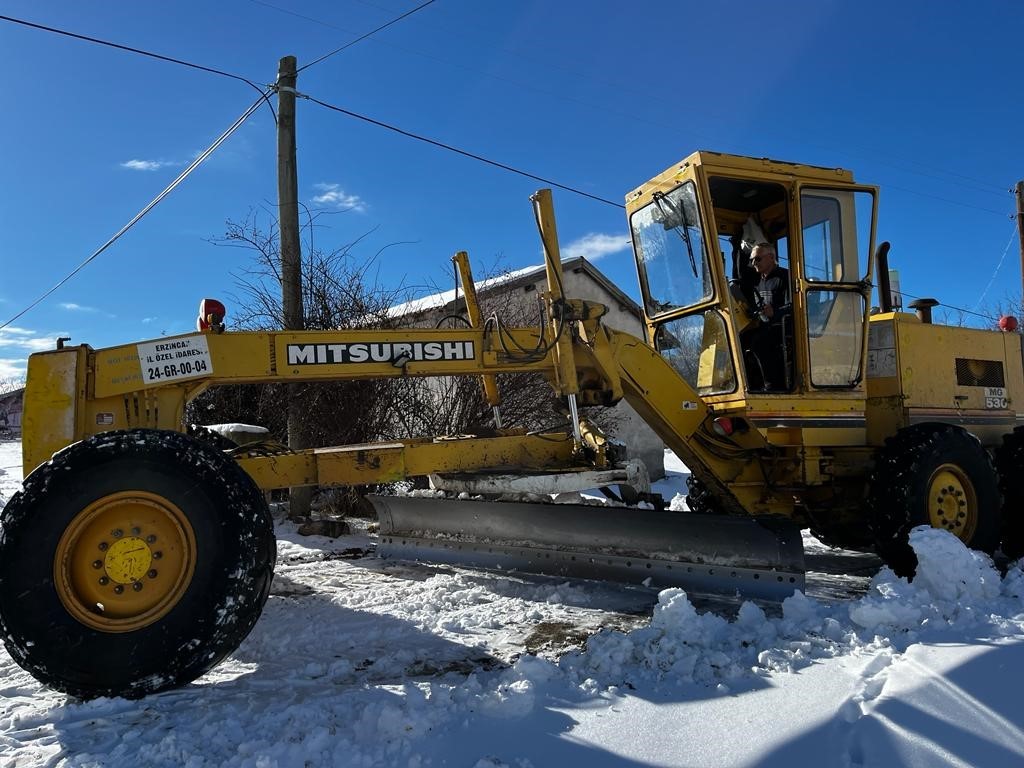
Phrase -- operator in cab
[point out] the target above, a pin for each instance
(767, 342)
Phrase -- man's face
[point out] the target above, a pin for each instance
(762, 260)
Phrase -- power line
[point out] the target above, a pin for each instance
(462, 152)
(948, 200)
(901, 165)
(141, 52)
(152, 204)
(943, 304)
(363, 37)
(130, 49)
(998, 267)
(264, 94)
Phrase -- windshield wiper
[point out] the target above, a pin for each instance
(673, 214)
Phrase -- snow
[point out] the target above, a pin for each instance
(443, 298)
(362, 662)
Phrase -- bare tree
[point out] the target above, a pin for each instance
(340, 290)
(456, 404)
(11, 384)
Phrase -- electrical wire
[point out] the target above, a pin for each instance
(199, 160)
(948, 200)
(943, 304)
(264, 94)
(363, 37)
(644, 96)
(160, 57)
(458, 151)
(998, 267)
(130, 49)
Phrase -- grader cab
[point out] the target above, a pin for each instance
(876, 420)
(137, 555)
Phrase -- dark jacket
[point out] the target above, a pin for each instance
(773, 290)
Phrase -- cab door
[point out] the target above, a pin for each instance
(836, 228)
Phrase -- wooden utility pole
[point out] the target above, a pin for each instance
(1019, 191)
(291, 258)
(288, 196)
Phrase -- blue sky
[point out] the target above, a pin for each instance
(919, 98)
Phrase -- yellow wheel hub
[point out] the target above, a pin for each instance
(952, 503)
(124, 561)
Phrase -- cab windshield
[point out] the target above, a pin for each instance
(671, 255)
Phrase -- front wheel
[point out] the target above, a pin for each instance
(937, 475)
(132, 562)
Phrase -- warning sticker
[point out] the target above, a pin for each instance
(184, 358)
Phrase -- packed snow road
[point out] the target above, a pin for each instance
(360, 661)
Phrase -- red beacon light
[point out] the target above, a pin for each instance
(723, 426)
(1008, 323)
(211, 316)
(727, 426)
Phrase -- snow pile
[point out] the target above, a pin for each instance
(955, 588)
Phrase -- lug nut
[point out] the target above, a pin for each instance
(104, 581)
(137, 586)
(104, 546)
(119, 589)
(150, 539)
(117, 533)
(97, 564)
(136, 531)
(152, 573)
(157, 555)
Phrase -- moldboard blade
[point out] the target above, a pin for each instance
(713, 554)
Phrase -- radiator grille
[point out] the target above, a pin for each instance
(979, 373)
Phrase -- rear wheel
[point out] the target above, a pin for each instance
(1010, 463)
(937, 475)
(132, 562)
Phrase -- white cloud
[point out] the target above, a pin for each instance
(72, 307)
(595, 246)
(147, 165)
(22, 338)
(333, 196)
(12, 368)
(150, 319)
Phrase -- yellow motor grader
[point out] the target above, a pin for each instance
(137, 556)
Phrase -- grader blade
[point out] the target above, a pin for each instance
(711, 554)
